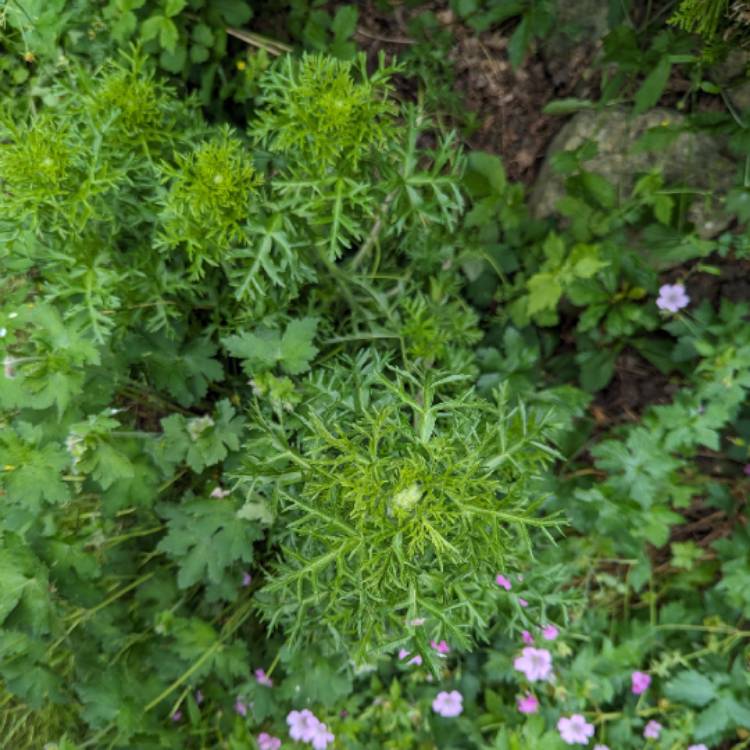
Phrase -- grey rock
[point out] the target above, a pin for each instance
(692, 160)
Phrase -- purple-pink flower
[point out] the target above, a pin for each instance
(448, 704)
(247, 579)
(672, 297)
(527, 638)
(523, 602)
(575, 730)
(503, 582)
(639, 682)
(600, 747)
(535, 663)
(550, 633)
(302, 725)
(240, 707)
(529, 704)
(652, 730)
(321, 737)
(441, 648)
(403, 653)
(177, 716)
(262, 678)
(698, 747)
(268, 742)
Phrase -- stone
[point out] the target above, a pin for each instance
(692, 160)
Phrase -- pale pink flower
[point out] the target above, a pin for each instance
(652, 730)
(529, 704)
(403, 653)
(698, 747)
(240, 707)
(442, 647)
(218, 493)
(176, 716)
(535, 663)
(523, 602)
(603, 747)
(550, 633)
(503, 582)
(575, 730)
(268, 742)
(262, 678)
(448, 704)
(672, 297)
(321, 737)
(416, 622)
(639, 682)
(527, 638)
(247, 579)
(302, 725)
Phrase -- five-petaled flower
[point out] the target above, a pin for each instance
(672, 297)
(575, 730)
(550, 632)
(535, 663)
(442, 647)
(448, 704)
(302, 725)
(529, 704)
(652, 730)
(502, 581)
(268, 742)
(639, 682)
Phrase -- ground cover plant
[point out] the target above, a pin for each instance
(319, 429)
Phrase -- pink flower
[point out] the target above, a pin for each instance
(639, 682)
(218, 493)
(268, 742)
(575, 730)
(303, 725)
(240, 707)
(321, 737)
(526, 637)
(652, 730)
(262, 678)
(403, 653)
(523, 602)
(503, 582)
(247, 579)
(529, 704)
(441, 648)
(550, 633)
(698, 747)
(672, 297)
(604, 747)
(535, 663)
(448, 704)
(416, 622)
(176, 716)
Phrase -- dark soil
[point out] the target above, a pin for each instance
(506, 104)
